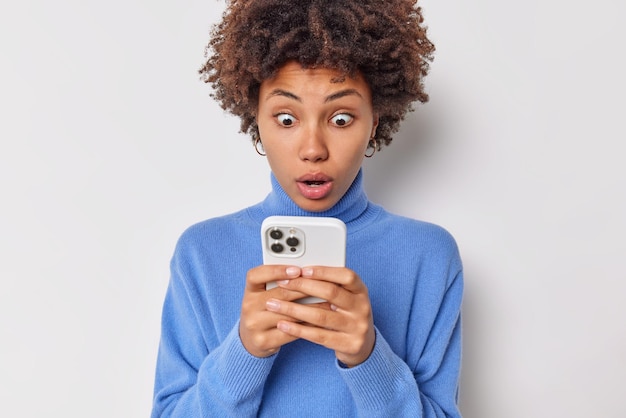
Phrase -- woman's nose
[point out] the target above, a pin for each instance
(313, 145)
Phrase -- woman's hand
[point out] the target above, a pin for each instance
(258, 326)
(343, 324)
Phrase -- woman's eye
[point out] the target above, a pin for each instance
(285, 119)
(342, 119)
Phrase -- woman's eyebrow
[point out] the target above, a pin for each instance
(342, 93)
(284, 93)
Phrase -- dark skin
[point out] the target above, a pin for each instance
(270, 319)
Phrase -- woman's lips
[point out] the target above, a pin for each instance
(314, 186)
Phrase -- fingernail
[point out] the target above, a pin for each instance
(272, 305)
(282, 282)
(307, 272)
(283, 326)
(292, 271)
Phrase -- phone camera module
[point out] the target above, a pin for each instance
(285, 241)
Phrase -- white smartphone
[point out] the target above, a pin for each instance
(303, 241)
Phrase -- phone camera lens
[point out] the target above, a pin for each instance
(276, 234)
(277, 248)
(293, 241)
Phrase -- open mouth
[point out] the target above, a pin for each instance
(315, 186)
(314, 183)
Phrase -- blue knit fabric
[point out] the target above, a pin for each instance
(414, 277)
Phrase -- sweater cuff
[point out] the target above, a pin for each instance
(375, 382)
(243, 374)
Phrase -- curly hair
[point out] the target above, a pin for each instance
(383, 40)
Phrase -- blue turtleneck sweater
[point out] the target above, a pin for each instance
(414, 278)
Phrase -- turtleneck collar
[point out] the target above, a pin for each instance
(353, 208)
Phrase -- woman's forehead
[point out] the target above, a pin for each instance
(292, 79)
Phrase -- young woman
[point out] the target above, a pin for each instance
(319, 85)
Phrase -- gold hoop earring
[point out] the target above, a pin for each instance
(373, 144)
(257, 141)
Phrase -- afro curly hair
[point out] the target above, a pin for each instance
(383, 40)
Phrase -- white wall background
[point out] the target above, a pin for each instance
(110, 147)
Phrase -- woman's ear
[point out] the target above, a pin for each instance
(375, 125)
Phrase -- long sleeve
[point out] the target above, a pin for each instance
(192, 380)
(416, 292)
(386, 386)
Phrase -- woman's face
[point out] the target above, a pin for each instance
(315, 132)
